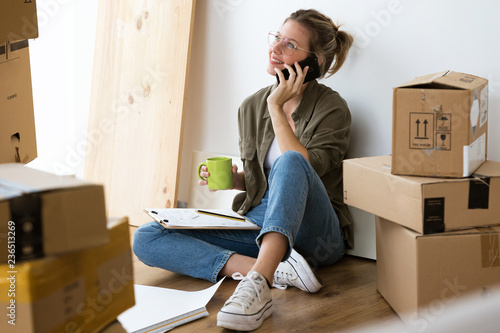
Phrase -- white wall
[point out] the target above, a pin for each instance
(61, 70)
(396, 40)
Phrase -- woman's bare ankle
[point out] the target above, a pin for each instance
(237, 263)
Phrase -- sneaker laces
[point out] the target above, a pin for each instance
(282, 280)
(247, 289)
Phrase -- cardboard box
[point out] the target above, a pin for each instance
(48, 214)
(17, 119)
(424, 204)
(18, 20)
(419, 275)
(440, 124)
(82, 291)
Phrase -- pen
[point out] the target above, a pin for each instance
(220, 215)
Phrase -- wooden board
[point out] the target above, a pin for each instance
(137, 103)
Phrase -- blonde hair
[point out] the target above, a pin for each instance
(327, 41)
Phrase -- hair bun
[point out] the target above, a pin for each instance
(335, 29)
(327, 42)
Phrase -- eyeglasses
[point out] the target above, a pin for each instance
(287, 46)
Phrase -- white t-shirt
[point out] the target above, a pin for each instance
(272, 154)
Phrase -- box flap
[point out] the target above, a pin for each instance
(19, 20)
(446, 79)
(423, 80)
(488, 169)
(74, 216)
(382, 164)
(16, 179)
(461, 80)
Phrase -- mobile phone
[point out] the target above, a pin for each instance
(313, 72)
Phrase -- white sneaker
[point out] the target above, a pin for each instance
(250, 304)
(296, 272)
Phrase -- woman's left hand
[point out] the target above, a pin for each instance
(287, 89)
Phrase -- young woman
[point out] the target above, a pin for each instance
(293, 138)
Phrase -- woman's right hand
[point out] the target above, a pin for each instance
(238, 179)
(203, 174)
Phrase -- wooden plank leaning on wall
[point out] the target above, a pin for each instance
(138, 97)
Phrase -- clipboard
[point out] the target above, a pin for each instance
(189, 218)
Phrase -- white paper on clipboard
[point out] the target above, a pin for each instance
(188, 218)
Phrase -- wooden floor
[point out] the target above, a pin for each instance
(349, 299)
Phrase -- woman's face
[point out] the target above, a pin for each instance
(297, 34)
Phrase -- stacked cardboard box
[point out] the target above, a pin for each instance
(81, 291)
(440, 124)
(51, 214)
(64, 266)
(437, 236)
(114, 327)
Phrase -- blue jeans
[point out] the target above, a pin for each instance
(296, 205)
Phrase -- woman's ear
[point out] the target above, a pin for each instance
(321, 59)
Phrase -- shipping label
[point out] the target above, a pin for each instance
(433, 215)
(474, 155)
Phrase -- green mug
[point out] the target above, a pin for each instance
(221, 176)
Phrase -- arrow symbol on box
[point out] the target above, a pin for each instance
(425, 122)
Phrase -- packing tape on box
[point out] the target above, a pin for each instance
(479, 193)
(26, 211)
(490, 249)
(11, 47)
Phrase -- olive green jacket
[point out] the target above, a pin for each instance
(322, 125)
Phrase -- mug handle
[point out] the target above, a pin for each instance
(199, 168)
